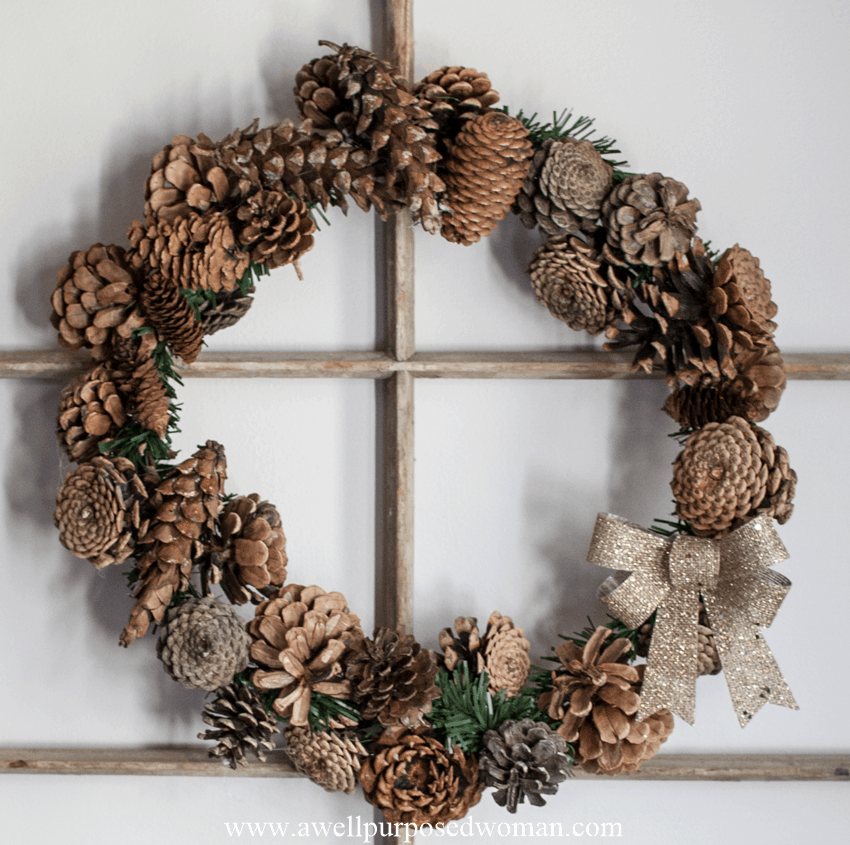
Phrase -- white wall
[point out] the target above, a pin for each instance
(744, 102)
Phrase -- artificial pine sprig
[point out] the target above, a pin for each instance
(679, 526)
(323, 709)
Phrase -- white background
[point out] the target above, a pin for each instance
(744, 102)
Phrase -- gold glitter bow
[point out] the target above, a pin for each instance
(740, 593)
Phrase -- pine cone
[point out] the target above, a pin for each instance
(230, 307)
(172, 317)
(392, 678)
(741, 292)
(329, 758)
(148, 395)
(98, 510)
(300, 637)
(203, 644)
(485, 169)
(240, 724)
(564, 187)
(576, 285)
(94, 299)
(187, 504)
(276, 228)
(505, 655)
(650, 218)
(253, 558)
(91, 412)
(781, 479)
(413, 779)
(522, 759)
(464, 644)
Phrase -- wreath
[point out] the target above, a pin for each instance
(426, 731)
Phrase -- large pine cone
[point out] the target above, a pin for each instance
(392, 678)
(98, 510)
(187, 504)
(413, 779)
(650, 218)
(276, 228)
(240, 724)
(741, 292)
(727, 474)
(576, 285)
(203, 644)
(301, 636)
(93, 300)
(91, 412)
(485, 169)
(564, 187)
(523, 759)
(597, 698)
(253, 557)
(331, 759)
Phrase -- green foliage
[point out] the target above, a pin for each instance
(323, 708)
(679, 526)
(466, 710)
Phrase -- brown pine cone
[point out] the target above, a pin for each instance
(485, 169)
(276, 228)
(392, 678)
(523, 759)
(576, 285)
(741, 293)
(413, 779)
(300, 638)
(332, 759)
(253, 556)
(229, 308)
(781, 479)
(93, 300)
(506, 658)
(98, 510)
(172, 317)
(186, 504)
(650, 218)
(203, 643)
(148, 395)
(462, 645)
(564, 187)
(91, 411)
(240, 724)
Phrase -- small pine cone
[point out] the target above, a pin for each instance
(719, 478)
(781, 479)
(413, 779)
(644, 638)
(332, 759)
(392, 678)
(253, 558)
(230, 307)
(98, 510)
(186, 176)
(486, 166)
(240, 724)
(186, 506)
(505, 655)
(195, 251)
(91, 412)
(741, 293)
(462, 645)
(203, 644)
(276, 229)
(650, 218)
(301, 636)
(564, 187)
(523, 759)
(169, 312)
(93, 300)
(576, 285)
(149, 399)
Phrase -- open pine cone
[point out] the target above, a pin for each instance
(332, 759)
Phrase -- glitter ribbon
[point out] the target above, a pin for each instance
(740, 594)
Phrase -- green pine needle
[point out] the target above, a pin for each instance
(323, 708)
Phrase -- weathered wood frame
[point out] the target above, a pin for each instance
(398, 367)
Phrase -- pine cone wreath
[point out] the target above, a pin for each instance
(597, 698)
(332, 759)
(462, 645)
(91, 411)
(186, 506)
(727, 474)
(301, 636)
(576, 285)
(564, 187)
(650, 218)
(253, 556)
(98, 510)
(93, 300)
(276, 229)
(486, 165)
(392, 678)
(414, 779)
(506, 658)
(240, 725)
(229, 308)
(170, 313)
(525, 759)
(203, 643)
